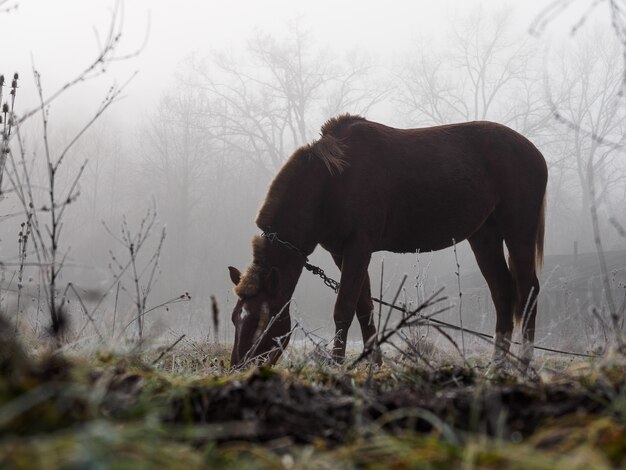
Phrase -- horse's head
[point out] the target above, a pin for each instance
(261, 316)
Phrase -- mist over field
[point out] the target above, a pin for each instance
(217, 95)
(146, 321)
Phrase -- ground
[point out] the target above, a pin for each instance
(185, 410)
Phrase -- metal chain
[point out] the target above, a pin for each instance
(334, 285)
(273, 237)
(316, 270)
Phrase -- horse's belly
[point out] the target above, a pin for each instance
(434, 224)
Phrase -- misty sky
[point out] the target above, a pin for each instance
(59, 36)
(124, 173)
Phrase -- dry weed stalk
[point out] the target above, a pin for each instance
(22, 241)
(216, 319)
(140, 276)
(44, 207)
(7, 120)
(45, 219)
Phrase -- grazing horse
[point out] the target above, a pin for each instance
(364, 187)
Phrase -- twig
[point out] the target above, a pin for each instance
(485, 335)
(385, 335)
(181, 298)
(395, 299)
(320, 349)
(98, 66)
(458, 279)
(456, 346)
(413, 348)
(168, 349)
(380, 306)
(619, 227)
(71, 287)
(117, 294)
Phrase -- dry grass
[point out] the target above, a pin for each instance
(187, 410)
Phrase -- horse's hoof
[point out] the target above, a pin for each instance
(497, 369)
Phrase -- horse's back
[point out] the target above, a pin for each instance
(421, 188)
(485, 143)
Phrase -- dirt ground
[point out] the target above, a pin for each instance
(117, 410)
(272, 405)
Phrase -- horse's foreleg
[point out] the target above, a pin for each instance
(354, 262)
(364, 312)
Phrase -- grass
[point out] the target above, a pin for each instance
(187, 411)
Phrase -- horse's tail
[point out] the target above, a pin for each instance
(517, 312)
(540, 233)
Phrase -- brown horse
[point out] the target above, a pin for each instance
(365, 187)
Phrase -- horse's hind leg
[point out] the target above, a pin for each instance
(487, 246)
(522, 255)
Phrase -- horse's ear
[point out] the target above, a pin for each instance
(235, 275)
(272, 281)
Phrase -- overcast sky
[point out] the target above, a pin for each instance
(59, 36)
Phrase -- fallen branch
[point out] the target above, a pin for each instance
(168, 349)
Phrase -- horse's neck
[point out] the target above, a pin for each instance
(292, 206)
(288, 261)
(296, 229)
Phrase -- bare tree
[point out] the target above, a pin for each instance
(614, 12)
(262, 105)
(488, 73)
(491, 73)
(178, 161)
(594, 120)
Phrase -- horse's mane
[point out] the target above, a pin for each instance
(250, 281)
(333, 125)
(328, 149)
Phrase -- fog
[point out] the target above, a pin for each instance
(208, 112)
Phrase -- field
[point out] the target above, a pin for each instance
(183, 409)
(117, 212)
